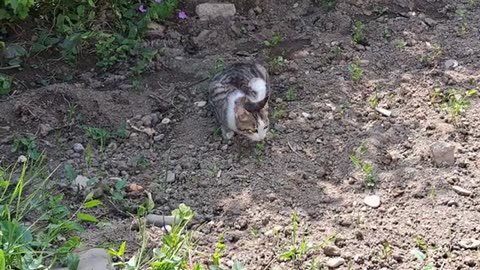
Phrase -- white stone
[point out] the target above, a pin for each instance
(372, 201)
(208, 11)
(335, 262)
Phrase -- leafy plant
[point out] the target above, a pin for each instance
(119, 189)
(358, 35)
(373, 100)
(453, 102)
(259, 149)
(356, 71)
(277, 64)
(431, 58)
(279, 112)
(5, 85)
(15, 9)
(27, 145)
(273, 41)
(366, 168)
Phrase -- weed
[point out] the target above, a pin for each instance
(291, 94)
(328, 4)
(71, 112)
(279, 112)
(218, 67)
(5, 85)
(29, 247)
(273, 41)
(337, 50)
(373, 100)
(121, 131)
(358, 35)
(453, 102)
(100, 135)
(386, 250)
(217, 132)
(356, 71)
(142, 162)
(300, 248)
(218, 251)
(259, 149)
(365, 167)
(27, 145)
(277, 64)
(118, 191)
(431, 58)
(88, 155)
(400, 43)
(254, 232)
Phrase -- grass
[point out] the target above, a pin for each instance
(100, 135)
(453, 102)
(279, 112)
(259, 151)
(53, 231)
(355, 70)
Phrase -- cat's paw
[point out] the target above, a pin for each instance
(227, 135)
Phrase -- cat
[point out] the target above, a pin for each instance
(239, 97)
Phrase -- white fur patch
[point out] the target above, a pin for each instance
(231, 109)
(259, 86)
(261, 133)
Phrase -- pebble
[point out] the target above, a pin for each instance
(22, 159)
(372, 201)
(469, 243)
(80, 182)
(200, 103)
(470, 261)
(147, 121)
(95, 259)
(451, 64)
(159, 137)
(166, 121)
(208, 11)
(335, 262)
(461, 191)
(170, 177)
(331, 251)
(45, 129)
(443, 154)
(78, 148)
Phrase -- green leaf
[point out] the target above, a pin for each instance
(471, 92)
(86, 217)
(89, 196)
(2, 260)
(72, 261)
(92, 204)
(121, 250)
(70, 172)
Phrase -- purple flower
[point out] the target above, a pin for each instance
(142, 8)
(159, 1)
(182, 15)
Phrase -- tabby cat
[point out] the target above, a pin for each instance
(239, 97)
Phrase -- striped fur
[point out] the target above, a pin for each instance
(239, 97)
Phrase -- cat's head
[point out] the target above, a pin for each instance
(252, 119)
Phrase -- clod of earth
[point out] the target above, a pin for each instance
(331, 251)
(469, 243)
(443, 154)
(208, 11)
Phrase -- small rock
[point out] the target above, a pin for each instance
(95, 259)
(306, 115)
(469, 243)
(208, 11)
(443, 154)
(45, 129)
(166, 121)
(147, 121)
(170, 177)
(407, 77)
(159, 137)
(451, 64)
(461, 191)
(78, 148)
(372, 201)
(470, 261)
(155, 30)
(200, 104)
(203, 36)
(335, 262)
(331, 251)
(22, 159)
(80, 182)
(430, 22)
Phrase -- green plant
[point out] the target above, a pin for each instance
(5, 85)
(218, 67)
(373, 100)
(298, 249)
(366, 168)
(15, 9)
(219, 251)
(400, 43)
(291, 94)
(118, 191)
(71, 112)
(142, 162)
(356, 71)
(259, 149)
(279, 112)
(100, 135)
(387, 251)
(453, 102)
(40, 243)
(273, 41)
(431, 58)
(358, 35)
(88, 155)
(277, 64)
(27, 145)
(328, 4)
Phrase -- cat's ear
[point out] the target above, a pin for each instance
(241, 113)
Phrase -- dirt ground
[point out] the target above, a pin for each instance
(247, 193)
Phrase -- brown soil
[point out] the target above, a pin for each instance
(243, 193)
